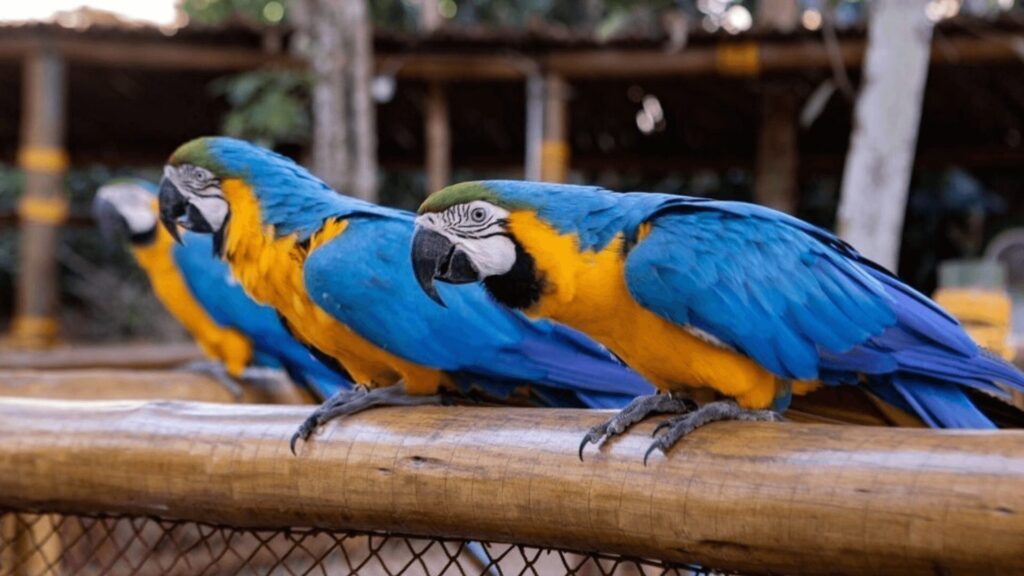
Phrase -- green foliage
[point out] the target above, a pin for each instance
(261, 12)
(267, 106)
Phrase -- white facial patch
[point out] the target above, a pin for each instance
(202, 190)
(213, 208)
(478, 228)
(134, 203)
(491, 256)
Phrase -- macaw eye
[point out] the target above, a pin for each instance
(478, 215)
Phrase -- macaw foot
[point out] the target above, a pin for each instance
(348, 402)
(217, 371)
(635, 411)
(711, 412)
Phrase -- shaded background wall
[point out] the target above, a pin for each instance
(695, 129)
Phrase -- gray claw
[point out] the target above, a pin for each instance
(681, 426)
(635, 411)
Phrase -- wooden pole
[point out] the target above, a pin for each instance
(776, 172)
(165, 355)
(751, 497)
(438, 137)
(43, 206)
(876, 177)
(534, 126)
(98, 384)
(554, 166)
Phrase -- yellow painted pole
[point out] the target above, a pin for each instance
(43, 206)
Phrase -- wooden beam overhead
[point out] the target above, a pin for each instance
(772, 56)
(147, 53)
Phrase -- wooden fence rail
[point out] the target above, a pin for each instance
(102, 384)
(782, 498)
(155, 355)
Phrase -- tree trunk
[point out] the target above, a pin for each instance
(781, 15)
(335, 37)
(430, 16)
(878, 167)
(364, 125)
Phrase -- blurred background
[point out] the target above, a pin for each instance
(898, 123)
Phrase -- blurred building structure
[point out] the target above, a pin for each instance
(537, 102)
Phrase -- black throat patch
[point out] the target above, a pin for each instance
(521, 286)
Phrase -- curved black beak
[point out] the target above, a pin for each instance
(173, 205)
(109, 221)
(434, 257)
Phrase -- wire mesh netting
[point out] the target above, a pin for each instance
(51, 544)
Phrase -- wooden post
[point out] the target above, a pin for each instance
(761, 498)
(876, 178)
(438, 137)
(554, 166)
(534, 126)
(43, 205)
(776, 172)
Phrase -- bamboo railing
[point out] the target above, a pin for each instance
(156, 355)
(104, 384)
(781, 498)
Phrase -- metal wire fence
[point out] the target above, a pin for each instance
(39, 544)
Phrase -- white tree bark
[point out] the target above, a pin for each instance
(363, 111)
(781, 15)
(335, 37)
(888, 111)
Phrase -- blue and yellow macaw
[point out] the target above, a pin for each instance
(197, 289)
(696, 294)
(337, 270)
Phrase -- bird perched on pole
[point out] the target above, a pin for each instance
(337, 269)
(733, 298)
(197, 289)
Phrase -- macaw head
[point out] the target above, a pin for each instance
(126, 207)
(190, 191)
(463, 235)
(198, 174)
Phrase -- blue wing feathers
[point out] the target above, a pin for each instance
(940, 404)
(210, 281)
(364, 279)
(804, 304)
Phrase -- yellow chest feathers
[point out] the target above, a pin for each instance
(270, 269)
(226, 345)
(587, 290)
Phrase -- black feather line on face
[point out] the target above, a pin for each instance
(218, 236)
(144, 238)
(520, 287)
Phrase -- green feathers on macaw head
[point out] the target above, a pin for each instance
(191, 194)
(462, 236)
(464, 232)
(291, 200)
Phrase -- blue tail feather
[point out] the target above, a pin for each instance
(934, 361)
(939, 404)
